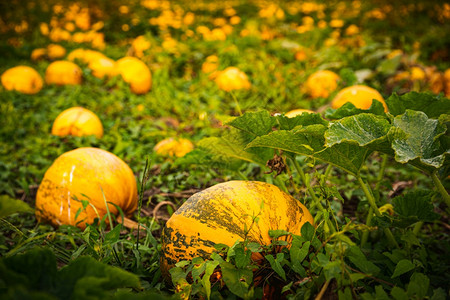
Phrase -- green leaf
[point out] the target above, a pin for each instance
(402, 267)
(432, 105)
(237, 280)
(254, 123)
(307, 231)
(389, 66)
(380, 293)
(358, 258)
(9, 206)
(349, 109)
(398, 293)
(415, 204)
(362, 129)
(418, 285)
(276, 264)
(209, 270)
(242, 257)
(310, 141)
(332, 269)
(415, 136)
(305, 119)
(113, 236)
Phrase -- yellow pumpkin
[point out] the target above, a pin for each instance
(55, 51)
(211, 64)
(85, 55)
(223, 213)
(77, 121)
(297, 112)
(136, 73)
(93, 172)
(174, 147)
(63, 72)
(23, 79)
(321, 83)
(38, 54)
(103, 67)
(359, 95)
(232, 79)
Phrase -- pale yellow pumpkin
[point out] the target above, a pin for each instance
(98, 174)
(23, 79)
(77, 121)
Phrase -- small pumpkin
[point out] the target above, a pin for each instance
(359, 95)
(136, 73)
(63, 72)
(232, 79)
(96, 173)
(103, 67)
(85, 55)
(23, 79)
(77, 121)
(321, 83)
(55, 51)
(174, 147)
(223, 213)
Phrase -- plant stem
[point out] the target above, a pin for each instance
(365, 235)
(381, 172)
(374, 206)
(238, 107)
(441, 188)
(328, 171)
(311, 192)
(322, 290)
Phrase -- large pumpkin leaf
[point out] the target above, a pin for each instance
(415, 205)
(432, 105)
(84, 278)
(304, 119)
(310, 141)
(254, 123)
(362, 129)
(416, 137)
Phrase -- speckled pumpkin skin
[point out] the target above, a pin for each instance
(85, 171)
(221, 213)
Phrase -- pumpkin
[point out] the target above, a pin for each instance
(38, 54)
(136, 73)
(63, 72)
(321, 83)
(232, 79)
(297, 112)
(85, 55)
(359, 95)
(23, 79)
(103, 67)
(174, 147)
(93, 172)
(222, 213)
(55, 51)
(211, 64)
(77, 121)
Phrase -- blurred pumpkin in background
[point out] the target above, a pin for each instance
(91, 174)
(232, 79)
(63, 72)
(77, 121)
(360, 96)
(174, 147)
(135, 73)
(321, 83)
(23, 79)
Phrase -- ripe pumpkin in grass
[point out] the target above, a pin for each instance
(136, 73)
(77, 121)
(322, 83)
(222, 214)
(232, 79)
(62, 72)
(23, 79)
(360, 96)
(174, 147)
(93, 172)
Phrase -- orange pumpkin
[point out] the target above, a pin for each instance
(63, 72)
(223, 213)
(136, 73)
(321, 83)
(23, 79)
(77, 121)
(96, 173)
(232, 79)
(174, 147)
(359, 95)
(103, 67)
